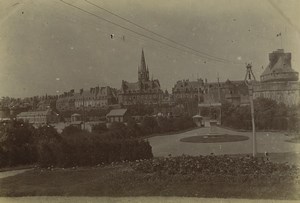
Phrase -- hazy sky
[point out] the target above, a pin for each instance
(47, 46)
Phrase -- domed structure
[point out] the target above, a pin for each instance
(279, 68)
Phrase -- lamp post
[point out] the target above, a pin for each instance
(249, 78)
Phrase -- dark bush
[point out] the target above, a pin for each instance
(99, 128)
(88, 149)
(17, 143)
(71, 129)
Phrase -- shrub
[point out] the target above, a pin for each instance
(99, 128)
(17, 144)
(89, 149)
(69, 130)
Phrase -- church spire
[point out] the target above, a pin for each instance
(142, 67)
(143, 71)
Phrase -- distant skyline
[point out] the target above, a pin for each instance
(48, 47)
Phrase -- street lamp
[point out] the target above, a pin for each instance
(249, 78)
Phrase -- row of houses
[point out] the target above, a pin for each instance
(148, 91)
(95, 98)
(39, 118)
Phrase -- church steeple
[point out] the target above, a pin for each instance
(143, 71)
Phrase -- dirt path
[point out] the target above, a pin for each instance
(12, 173)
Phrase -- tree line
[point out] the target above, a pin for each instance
(22, 144)
(269, 115)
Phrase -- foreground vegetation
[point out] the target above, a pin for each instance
(22, 144)
(203, 176)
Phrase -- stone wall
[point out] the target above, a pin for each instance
(282, 92)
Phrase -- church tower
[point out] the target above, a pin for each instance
(143, 71)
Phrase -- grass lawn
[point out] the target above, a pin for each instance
(122, 180)
(169, 133)
(214, 138)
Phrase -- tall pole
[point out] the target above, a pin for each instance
(249, 83)
(198, 101)
(281, 40)
(219, 94)
(83, 113)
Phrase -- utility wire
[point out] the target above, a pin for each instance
(118, 36)
(159, 35)
(128, 29)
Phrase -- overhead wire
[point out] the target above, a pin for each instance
(152, 32)
(143, 35)
(117, 35)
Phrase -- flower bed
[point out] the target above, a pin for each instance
(218, 168)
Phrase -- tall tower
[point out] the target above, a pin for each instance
(279, 68)
(143, 71)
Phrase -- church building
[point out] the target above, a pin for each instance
(144, 91)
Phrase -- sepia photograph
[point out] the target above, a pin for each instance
(149, 101)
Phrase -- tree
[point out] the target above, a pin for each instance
(133, 129)
(149, 125)
(99, 128)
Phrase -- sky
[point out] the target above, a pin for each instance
(49, 47)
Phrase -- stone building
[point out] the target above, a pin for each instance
(188, 90)
(235, 92)
(39, 117)
(95, 98)
(279, 81)
(117, 115)
(144, 91)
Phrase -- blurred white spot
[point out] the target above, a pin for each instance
(57, 78)
(57, 91)
(71, 47)
(239, 58)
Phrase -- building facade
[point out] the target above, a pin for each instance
(117, 115)
(188, 90)
(95, 98)
(235, 92)
(144, 91)
(279, 81)
(39, 117)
